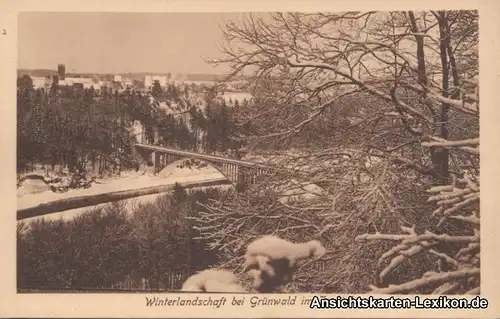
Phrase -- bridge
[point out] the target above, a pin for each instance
(238, 172)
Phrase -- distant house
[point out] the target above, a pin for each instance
(106, 77)
(85, 82)
(40, 82)
(150, 79)
(78, 86)
(127, 82)
(116, 86)
(117, 78)
(69, 81)
(105, 83)
(137, 84)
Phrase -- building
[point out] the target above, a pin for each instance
(105, 83)
(138, 84)
(61, 71)
(116, 86)
(127, 82)
(117, 78)
(87, 83)
(150, 79)
(40, 82)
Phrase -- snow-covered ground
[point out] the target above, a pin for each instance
(29, 196)
(33, 192)
(236, 96)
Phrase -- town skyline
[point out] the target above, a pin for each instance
(39, 72)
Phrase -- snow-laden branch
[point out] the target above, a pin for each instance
(453, 200)
(356, 81)
(397, 64)
(408, 239)
(315, 112)
(431, 280)
(468, 145)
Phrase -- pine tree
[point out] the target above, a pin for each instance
(179, 193)
(157, 90)
(245, 102)
(223, 127)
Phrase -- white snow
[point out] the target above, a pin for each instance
(294, 191)
(169, 175)
(32, 186)
(239, 96)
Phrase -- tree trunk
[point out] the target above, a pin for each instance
(93, 162)
(441, 156)
(119, 164)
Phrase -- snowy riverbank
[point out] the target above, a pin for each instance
(171, 174)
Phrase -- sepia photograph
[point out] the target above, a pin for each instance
(265, 154)
(248, 152)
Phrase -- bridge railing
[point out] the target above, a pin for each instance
(202, 156)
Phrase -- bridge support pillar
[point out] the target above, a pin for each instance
(144, 157)
(156, 159)
(234, 173)
(241, 182)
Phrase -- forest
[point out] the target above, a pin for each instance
(151, 246)
(380, 109)
(73, 127)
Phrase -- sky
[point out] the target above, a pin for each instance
(120, 42)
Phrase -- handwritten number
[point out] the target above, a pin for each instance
(4, 32)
